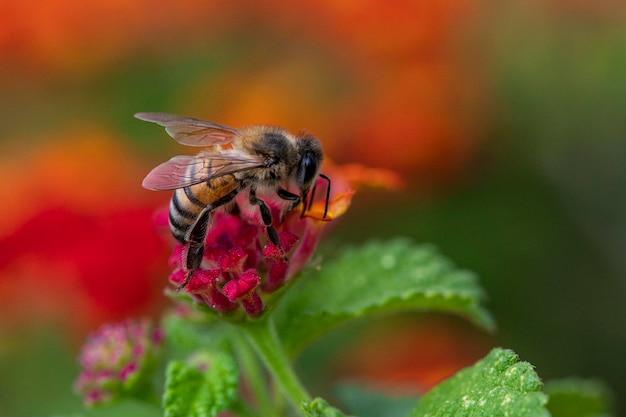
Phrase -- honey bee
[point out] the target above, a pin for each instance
(259, 159)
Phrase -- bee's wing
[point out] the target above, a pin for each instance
(190, 131)
(182, 171)
(178, 172)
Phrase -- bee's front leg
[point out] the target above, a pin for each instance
(289, 196)
(193, 250)
(266, 216)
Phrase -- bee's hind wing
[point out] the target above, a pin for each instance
(190, 131)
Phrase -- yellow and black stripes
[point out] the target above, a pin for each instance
(188, 203)
(183, 212)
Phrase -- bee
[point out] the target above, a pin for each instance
(257, 159)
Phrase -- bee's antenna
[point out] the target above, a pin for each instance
(327, 194)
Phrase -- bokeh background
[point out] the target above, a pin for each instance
(507, 121)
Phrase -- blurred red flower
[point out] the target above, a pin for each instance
(78, 244)
(57, 36)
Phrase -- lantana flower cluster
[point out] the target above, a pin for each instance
(240, 265)
(240, 269)
(117, 359)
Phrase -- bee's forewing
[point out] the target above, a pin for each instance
(190, 131)
(181, 171)
(178, 172)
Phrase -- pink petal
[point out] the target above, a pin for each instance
(233, 260)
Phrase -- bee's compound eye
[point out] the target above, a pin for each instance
(308, 168)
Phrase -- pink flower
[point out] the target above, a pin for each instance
(240, 265)
(117, 359)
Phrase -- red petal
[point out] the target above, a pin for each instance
(287, 242)
(233, 260)
(202, 281)
(177, 276)
(252, 304)
(276, 277)
(236, 288)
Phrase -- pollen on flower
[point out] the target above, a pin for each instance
(116, 360)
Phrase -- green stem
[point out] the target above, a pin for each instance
(254, 375)
(263, 338)
(242, 409)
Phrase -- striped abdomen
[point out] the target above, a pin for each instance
(188, 202)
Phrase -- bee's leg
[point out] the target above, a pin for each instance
(286, 195)
(194, 249)
(266, 216)
(195, 236)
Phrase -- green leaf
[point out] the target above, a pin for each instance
(181, 384)
(204, 386)
(574, 397)
(498, 385)
(223, 379)
(377, 278)
(318, 407)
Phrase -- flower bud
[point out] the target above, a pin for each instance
(117, 361)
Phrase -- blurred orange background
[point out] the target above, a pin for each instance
(505, 118)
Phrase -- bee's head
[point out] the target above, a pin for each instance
(308, 169)
(311, 157)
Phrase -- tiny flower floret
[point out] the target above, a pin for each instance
(287, 241)
(239, 287)
(233, 260)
